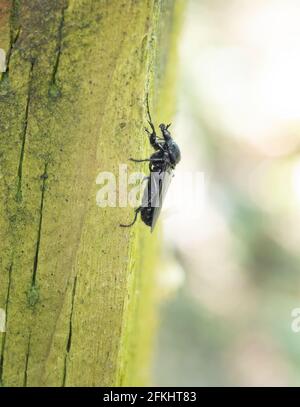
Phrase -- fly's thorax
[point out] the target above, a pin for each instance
(174, 152)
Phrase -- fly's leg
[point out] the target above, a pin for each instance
(137, 210)
(147, 159)
(139, 161)
(154, 141)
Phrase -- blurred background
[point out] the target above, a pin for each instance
(231, 277)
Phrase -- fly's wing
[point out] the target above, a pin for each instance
(164, 183)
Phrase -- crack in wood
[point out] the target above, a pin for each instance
(38, 241)
(6, 317)
(69, 341)
(24, 134)
(25, 380)
(59, 43)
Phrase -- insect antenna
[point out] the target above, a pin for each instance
(148, 109)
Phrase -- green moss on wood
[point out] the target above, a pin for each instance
(72, 105)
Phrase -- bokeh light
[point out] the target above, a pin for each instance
(238, 122)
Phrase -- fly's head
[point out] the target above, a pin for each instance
(165, 132)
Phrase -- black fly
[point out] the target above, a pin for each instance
(161, 165)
